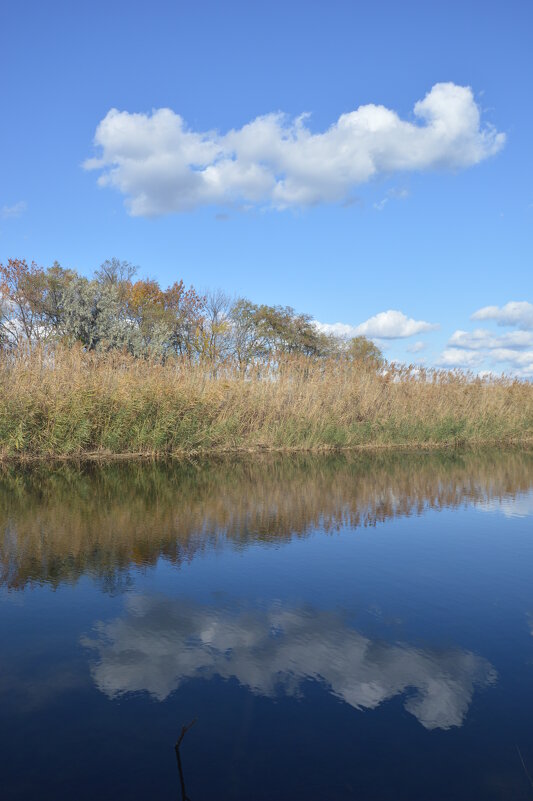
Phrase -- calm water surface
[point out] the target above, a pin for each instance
(338, 627)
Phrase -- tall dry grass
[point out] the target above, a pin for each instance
(71, 403)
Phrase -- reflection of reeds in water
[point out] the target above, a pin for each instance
(58, 524)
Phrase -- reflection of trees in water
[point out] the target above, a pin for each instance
(56, 524)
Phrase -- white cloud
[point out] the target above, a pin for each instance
(481, 350)
(343, 330)
(512, 351)
(456, 357)
(161, 643)
(517, 313)
(512, 363)
(393, 324)
(416, 347)
(481, 339)
(10, 212)
(394, 194)
(162, 167)
(385, 325)
(522, 359)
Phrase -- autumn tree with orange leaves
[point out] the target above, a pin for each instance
(111, 310)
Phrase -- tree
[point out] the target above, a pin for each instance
(364, 352)
(114, 271)
(113, 311)
(149, 318)
(248, 341)
(186, 313)
(95, 315)
(49, 301)
(267, 332)
(21, 317)
(216, 327)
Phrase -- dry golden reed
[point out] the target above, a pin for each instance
(72, 403)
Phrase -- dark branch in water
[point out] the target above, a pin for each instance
(184, 730)
(523, 765)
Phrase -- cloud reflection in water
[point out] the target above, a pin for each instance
(519, 505)
(160, 643)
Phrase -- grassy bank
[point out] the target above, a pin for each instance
(75, 403)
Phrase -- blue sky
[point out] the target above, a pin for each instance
(423, 210)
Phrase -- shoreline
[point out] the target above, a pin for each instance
(102, 456)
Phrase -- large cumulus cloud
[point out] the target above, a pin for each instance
(161, 166)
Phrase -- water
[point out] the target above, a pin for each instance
(338, 627)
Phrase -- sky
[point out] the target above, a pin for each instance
(367, 163)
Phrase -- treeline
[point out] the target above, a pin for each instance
(114, 365)
(115, 310)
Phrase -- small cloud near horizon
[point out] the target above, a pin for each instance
(391, 324)
(483, 351)
(510, 352)
(515, 313)
(394, 324)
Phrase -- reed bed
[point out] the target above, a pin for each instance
(71, 403)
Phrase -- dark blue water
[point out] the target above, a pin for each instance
(337, 628)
